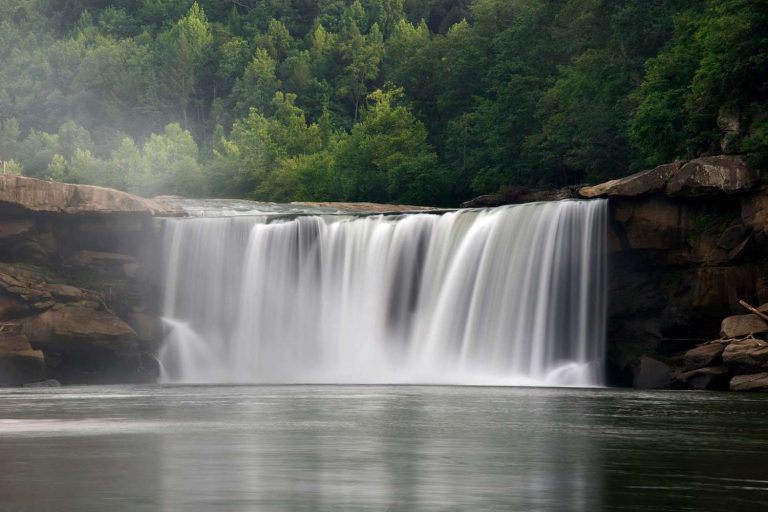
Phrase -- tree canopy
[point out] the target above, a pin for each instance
(413, 101)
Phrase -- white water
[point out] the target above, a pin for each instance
(511, 296)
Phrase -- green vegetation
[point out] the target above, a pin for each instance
(413, 101)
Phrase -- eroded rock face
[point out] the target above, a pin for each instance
(712, 174)
(33, 195)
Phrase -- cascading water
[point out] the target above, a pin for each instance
(514, 295)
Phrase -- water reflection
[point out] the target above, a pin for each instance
(339, 448)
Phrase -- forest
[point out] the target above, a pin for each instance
(409, 101)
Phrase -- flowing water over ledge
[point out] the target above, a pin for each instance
(506, 296)
(380, 448)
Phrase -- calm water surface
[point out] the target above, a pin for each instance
(370, 448)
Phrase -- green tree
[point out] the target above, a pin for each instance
(387, 158)
(185, 47)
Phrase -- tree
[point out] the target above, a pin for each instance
(185, 47)
(387, 158)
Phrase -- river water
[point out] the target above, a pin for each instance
(380, 448)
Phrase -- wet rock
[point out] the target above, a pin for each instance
(753, 382)
(652, 223)
(746, 356)
(653, 374)
(742, 325)
(11, 307)
(148, 328)
(712, 174)
(702, 356)
(645, 182)
(713, 378)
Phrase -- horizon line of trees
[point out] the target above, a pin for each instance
(410, 101)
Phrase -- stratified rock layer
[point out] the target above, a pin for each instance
(33, 195)
(75, 261)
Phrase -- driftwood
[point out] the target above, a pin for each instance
(753, 310)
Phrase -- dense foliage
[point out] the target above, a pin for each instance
(417, 101)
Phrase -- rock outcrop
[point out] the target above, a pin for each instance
(78, 279)
(19, 193)
(710, 175)
(640, 184)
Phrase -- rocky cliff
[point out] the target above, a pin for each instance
(689, 241)
(79, 274)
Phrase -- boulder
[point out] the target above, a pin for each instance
(711, 175)
(645, 182)
(746, 356)
(742, 325)
(702, 356)
(78, 327)
(713, 377)
(753, 382)
(22, 194)
(653, 374)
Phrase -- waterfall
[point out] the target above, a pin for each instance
(514, 295)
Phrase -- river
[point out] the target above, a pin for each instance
(380, 448)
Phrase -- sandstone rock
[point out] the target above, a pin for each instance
(29, 194)
(645, 182)
(713, 377)
(11, 307)
(653, 223)
(712, 174)
(746, 356)
(78, 327)
(66, 292)
(19, 362)
(753, 382)
(742, 325)
(703, 355)
(653, 374)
